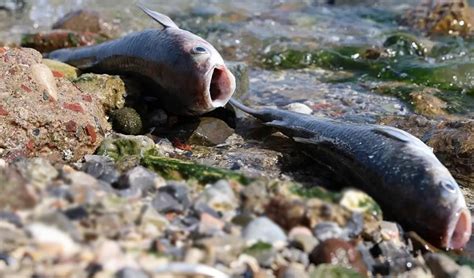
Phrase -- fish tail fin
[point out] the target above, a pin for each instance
(265, 115)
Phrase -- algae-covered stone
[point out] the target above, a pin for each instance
(119, 146)
(360, 202)
(127, 121)
(404, 44)
(63, 69)
(109, 89)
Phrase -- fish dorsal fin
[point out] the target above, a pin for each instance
(162, 19)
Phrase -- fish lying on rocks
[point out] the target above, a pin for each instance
(188, 71)
(398, 170)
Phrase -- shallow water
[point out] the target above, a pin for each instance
(249, 30)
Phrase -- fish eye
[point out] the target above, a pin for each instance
(449, 186)
(199, 50)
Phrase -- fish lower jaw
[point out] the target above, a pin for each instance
(458, 236)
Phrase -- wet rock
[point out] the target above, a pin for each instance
(32, 124)
(109, 89)
(49, 41)
(241, 72)
(101, 167)
(338, 252)
(126, 120)
(61, 69)
(263, 229)
(15, 192)
(441, 18)
(52, 241)
(210, 132)
(171, 198)
(299, 108)
(327, 230)
(85, 21)
(443, 266)
(427, 104)
(451, 141)
(390, 231)
(219, 196)
(392, 259)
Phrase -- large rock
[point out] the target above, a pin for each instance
(42, 114)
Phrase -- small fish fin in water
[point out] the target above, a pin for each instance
(399, 135)
(162, 19)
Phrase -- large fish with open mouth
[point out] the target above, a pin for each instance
(397, 169)
(188, 71)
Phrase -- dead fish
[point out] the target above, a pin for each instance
(188, 71)
(397, 169)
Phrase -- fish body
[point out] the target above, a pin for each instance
(188, 71)
(397, 169)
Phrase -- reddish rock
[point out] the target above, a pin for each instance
(57, 39)
(56, 135)
(57, 74)
(87, 98)
(25, 88)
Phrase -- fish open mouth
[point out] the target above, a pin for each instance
(462, 231)
(222, 86)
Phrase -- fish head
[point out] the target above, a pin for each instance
(457, 223)
(196, 74)
(199, 76)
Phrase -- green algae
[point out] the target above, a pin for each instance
(171, 168)
(334, 271)
(122, 148)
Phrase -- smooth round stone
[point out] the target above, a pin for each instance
(264, 230)
(219, 196)
(299, 108)
(128, 272)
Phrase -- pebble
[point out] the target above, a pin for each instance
(43, 76)
(101, 167)
(302, 238)
(128, 272)
(264, 230)
(210, 132)
(328, 230)
(171, 198)
(219, 196)
(338, 252)
(139, 179)
(299, 108)
(293, 270)
(51, 241)
(38, 171)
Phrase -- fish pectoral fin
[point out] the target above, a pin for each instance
(162, 19)
(400, 135)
